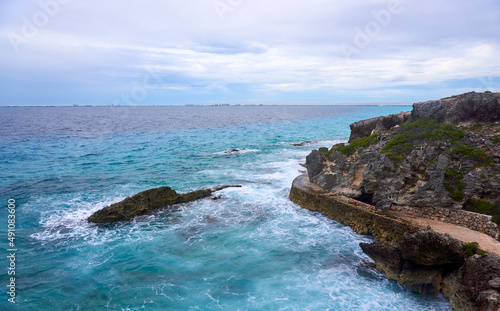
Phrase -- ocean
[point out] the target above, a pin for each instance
(252, 249)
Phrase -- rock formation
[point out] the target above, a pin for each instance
(147, 202)
(376, 125)
(418, 260)
(439, 161)
(446, 155)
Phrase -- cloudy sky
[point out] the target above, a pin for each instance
(152, 52)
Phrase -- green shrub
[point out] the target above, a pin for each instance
(477, 127)
(478, 156)
(488, 92)
(413, 134)
(453, 177)
(350, 149)
(452, 96)
(473, 248)
(470, 248)
(485, 207)
(496, 139)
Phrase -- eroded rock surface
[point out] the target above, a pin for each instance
(147, 202)
(440, 172)
(418, 260)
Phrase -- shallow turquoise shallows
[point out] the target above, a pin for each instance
(252, 249)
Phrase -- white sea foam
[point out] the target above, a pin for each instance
(236, 151)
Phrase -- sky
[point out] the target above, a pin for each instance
(170, 52)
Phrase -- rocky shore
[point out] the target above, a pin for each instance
(440, 161)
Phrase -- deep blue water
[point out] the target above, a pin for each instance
(250, 250)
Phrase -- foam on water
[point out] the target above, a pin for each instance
(251, 249)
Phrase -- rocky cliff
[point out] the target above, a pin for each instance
(443, 154)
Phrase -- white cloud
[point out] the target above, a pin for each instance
(260, 46)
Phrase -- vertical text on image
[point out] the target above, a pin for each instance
(11, 250)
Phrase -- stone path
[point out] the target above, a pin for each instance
(460, 233)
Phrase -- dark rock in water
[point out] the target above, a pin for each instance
(234, 150)
(307, 142)
(376, 125)
(147, 202)
(386, 257)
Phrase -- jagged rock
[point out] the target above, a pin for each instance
(477, 272)
(147, 202)
(366, 127)
(417, 177)
(495, 283)
(314, 163)
(478, 107)
(474, 285)
(430, 248)
(417, 260)
(386, 257)
(421, 279)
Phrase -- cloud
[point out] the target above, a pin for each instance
(205, 50)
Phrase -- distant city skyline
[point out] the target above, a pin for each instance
(210, 52)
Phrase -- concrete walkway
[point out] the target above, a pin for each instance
(460, 233)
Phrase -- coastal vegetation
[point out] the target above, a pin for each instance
(485, 207)
(350, 149)
(430, 132)
(418, 133)
(472, 248)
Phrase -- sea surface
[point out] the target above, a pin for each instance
(252, 249)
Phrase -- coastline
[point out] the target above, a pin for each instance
(388, 228)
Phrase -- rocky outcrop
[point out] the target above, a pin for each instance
(147, 202)
(418, 260)
(361, 217)
(422, 163)
(476, 285)
(430, 263)
(422, 260)
(476, 107)
(376, 125)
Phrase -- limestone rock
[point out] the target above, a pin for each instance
(474, 285)
(417, 260)
(478, 107)
(430, 248)
(418, 177)
(421, 279)
(366, 127)
(147, 202)
(386, 257)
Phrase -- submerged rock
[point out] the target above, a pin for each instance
(234, 150)
(147, 202)
(304, 143)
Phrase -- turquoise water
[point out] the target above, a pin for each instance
(250, 250)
